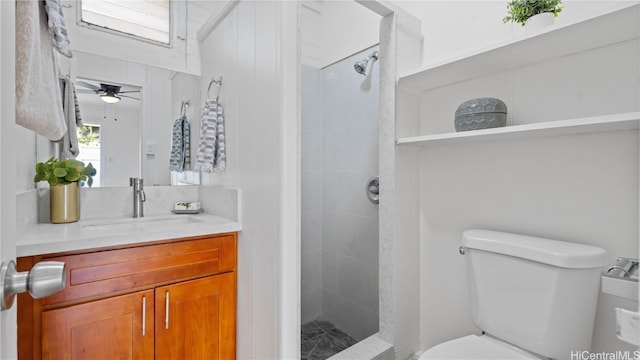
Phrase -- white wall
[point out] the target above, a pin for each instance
(334, 30)
(244, 47)
(187, 87)
(157, 125)
(311, 181)
(9, 145)
(349, 220)
(25, 159)
(119, 141)
(458, 27)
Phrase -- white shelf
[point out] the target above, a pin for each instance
(614, 122)
(621, 24)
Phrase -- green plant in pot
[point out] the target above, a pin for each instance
(64, 178)
(519, 11)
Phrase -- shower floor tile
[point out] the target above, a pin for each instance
(321, 340)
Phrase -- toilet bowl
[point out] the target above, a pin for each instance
(474, 347)
(533, 298)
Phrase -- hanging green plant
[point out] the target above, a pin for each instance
(519, 11)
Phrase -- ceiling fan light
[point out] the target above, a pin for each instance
(110, 98)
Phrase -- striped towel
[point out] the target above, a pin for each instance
(211, 148)
(70, 149)
(207, 143)
(76, 105)
(57, 27)
(180, 157)
(220, 161)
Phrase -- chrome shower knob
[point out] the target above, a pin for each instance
(373, 189)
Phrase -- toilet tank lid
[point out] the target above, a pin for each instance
(552, 252)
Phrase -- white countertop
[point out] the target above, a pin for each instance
(97, 233)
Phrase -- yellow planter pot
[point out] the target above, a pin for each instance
(64, 203)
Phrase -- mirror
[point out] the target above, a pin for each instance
(132, 137)
(111, 132)
(164, 78)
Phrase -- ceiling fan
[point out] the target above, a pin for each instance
(108, 93)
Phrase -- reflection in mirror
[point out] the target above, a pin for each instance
(165, 75)
(135, 135)
(110, 137)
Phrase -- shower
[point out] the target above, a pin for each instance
(361, 66)
(339, 225)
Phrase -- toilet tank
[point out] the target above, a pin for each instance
(537, 294)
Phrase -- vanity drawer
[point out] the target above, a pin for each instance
(109, 272)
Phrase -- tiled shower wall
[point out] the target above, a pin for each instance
(311, 194)
(339, 224)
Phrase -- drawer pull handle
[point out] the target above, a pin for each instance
(144, 315)
(166, 310)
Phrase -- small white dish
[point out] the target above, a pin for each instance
(186, 211)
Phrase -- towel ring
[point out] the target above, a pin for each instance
(218, 81)
(184, 107)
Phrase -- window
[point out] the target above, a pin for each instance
(147, 19)
(89, 135)
(89, 146)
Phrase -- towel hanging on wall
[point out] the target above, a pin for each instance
(57, 27)
(38, 95)
(206, 145)
(220, 161)
(211, 148)
(180, 158)
(73, 120)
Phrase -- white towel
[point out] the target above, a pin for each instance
(57, 27)
(73, 119)
(212, 152)
(38, 96)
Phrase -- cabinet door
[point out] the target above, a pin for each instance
(196, 319)
(115, 328)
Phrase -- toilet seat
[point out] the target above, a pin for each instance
(476, 347)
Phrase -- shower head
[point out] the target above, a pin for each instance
(361, 66)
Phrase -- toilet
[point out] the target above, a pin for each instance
(532, 298)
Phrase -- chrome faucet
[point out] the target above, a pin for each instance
(138, 197)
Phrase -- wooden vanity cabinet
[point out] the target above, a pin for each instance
(196, 318)
(110, 328)
(168, 300)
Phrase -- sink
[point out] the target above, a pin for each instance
(137, 223)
